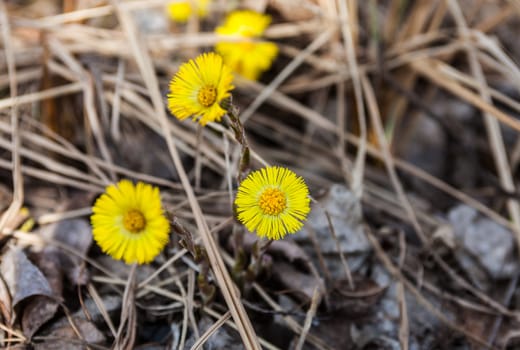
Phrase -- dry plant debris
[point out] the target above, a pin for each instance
(384, 136)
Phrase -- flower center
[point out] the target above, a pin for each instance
(272, 201)
(134, 221)
(207, 95)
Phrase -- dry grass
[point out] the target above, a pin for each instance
(75, 86)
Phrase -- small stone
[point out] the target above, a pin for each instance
(345, 213)
(151, 21)
(484, 241)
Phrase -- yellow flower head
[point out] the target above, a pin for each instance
(128, 222)
(248, 57)
(198, 88)
(180, 11)
(272, 201)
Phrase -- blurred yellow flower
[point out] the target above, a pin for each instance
(248, 57)
(272, 201)
(180, 11)
(198, 88)
(128, 222)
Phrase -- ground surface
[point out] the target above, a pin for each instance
(402, 116)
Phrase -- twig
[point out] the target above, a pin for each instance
(211, 330)
(404, 327)
(126, 333)
(315, 301)
(18, 194)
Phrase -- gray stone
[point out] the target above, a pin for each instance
(346, 216)
(345, 212)
(383, 326)
(484, 241)
(151, 21)
(221, 339)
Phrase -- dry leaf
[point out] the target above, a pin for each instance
(5, 302)
(27, 283)
(286, 248)
(68, 339)
(38, 311)
(50, 265)
(77, 235)
(357, 302)
(301, 284)
(23, 279)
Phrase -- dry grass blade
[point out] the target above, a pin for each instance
(41, 95)
(211, 330)
(18, 194)
(126, 333)
(99, 303)
(404, 327)
(348, 16)
(315, 301)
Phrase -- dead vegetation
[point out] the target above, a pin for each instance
(402, 116)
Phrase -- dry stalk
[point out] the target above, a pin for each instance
(18, 193)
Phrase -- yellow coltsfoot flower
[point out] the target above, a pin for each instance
(248, 57)
(198, 88)
(181, 11)
(272, 201)
(128, 222)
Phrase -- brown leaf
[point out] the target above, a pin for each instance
(38, 311)
(23, 279)
(301, 284)
(77, 235)
(5, 302)
(286, 248)
(357, 302)
(68, 339)
(122, 270)
(27, 283)
(50, 265)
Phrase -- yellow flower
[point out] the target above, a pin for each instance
(272, 201)
(181, 11)
(128, 222)
(248, 57)
(198, 88)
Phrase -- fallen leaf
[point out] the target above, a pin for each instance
(37, 312)
(50, 265)
(27, 284)
(5, 302)
(75, 234)
(357, 301)
(287, 248)
(301, 284)
(23, 279)
(64, 336)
